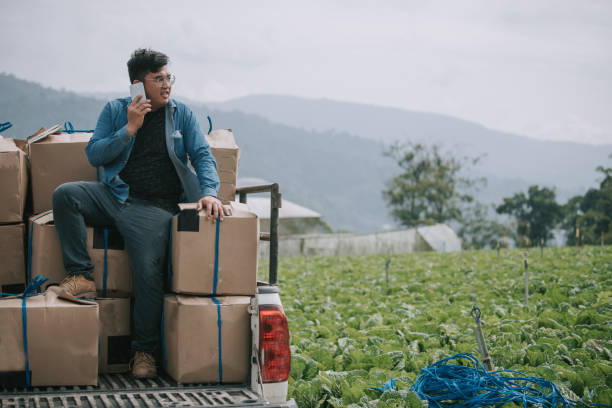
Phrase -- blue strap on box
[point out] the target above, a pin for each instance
(219, 338)
(216, 275)
(68, 128)
(30, 244)
(7, 125)
(216, 266)
(33, 289)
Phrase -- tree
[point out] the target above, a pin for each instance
(431, 188)
(592, 213)
(536, 213)
(478, 230)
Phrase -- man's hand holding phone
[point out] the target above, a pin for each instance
(137, 109)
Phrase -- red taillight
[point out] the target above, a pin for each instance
(275, 354)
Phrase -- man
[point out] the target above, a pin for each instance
(142, 146)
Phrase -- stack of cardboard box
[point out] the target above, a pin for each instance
(14, 187)
(214, 268)
(56, 328)
(207, 336)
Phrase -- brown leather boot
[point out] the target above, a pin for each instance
(77, 286)
(143, 365)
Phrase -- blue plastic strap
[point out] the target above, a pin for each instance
(209, 124)
(219, 337)
(216, 275)
(68, 128)
(7, 125)
(33, 289)
(98, 173)
(30, 245)
(105, 262)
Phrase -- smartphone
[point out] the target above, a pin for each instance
(138, 89)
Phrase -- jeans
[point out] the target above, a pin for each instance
(145, 229)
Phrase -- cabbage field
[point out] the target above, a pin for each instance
(354, 327)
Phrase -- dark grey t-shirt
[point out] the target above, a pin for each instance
(149, 171)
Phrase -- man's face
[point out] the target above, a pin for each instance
(157, 87)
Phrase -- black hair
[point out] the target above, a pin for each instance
(144, 60)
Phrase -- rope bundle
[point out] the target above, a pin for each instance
(444, 385)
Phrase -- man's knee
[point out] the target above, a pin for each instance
(64, 193)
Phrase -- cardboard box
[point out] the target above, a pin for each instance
(56, 159)
(62, 340)
(46, 256)
(13, 181)
(114, 351)
(225, 150)
(193, 343)
(12, 253)
(227, 190)
(193, 252)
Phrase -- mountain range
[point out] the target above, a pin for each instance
(328, 155)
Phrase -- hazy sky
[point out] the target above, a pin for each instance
(538, 68)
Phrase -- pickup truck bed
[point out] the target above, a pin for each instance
(123, 390)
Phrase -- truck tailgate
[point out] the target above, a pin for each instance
(123, 390)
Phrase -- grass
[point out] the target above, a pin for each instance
(352, 331)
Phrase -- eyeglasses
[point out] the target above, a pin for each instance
(159, 80)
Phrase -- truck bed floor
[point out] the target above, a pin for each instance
(123, 390)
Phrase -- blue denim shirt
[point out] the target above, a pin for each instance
(110, 147)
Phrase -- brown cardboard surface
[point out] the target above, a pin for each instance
(114, 335)
(47, 258)
(227, 176)
(12, 253)
(227, 193)
(55, 160)
(191, 338)
(62, 340)
(227, 154)
(193, 254)
(13, 181)
(223, 146)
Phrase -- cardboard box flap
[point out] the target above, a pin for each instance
(45, 218)
(66, 138)
(222, 139)
(43, 133)
(8, 145)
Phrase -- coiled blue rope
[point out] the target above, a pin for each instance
(33, 289)
(443, 385)
(7, 125)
